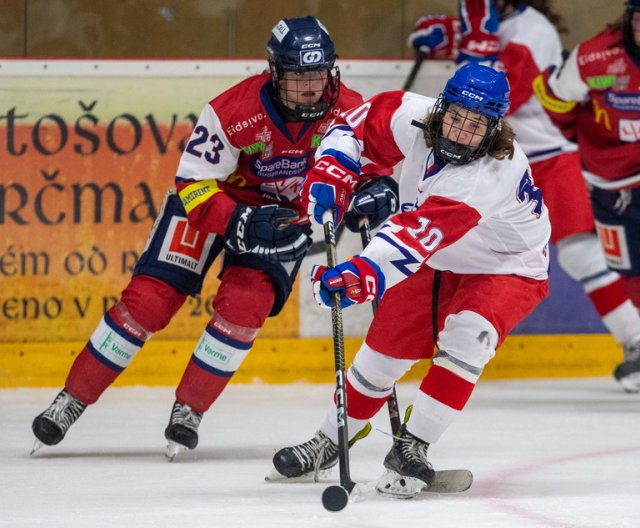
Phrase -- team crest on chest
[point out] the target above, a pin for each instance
(264, 135)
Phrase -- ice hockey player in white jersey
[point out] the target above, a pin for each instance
(521, 38)
(456, 270)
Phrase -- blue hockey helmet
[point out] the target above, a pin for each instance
(303, 45)
(480, 89)
(477, 89)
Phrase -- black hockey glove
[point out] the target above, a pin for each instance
(266, 232)
(377, 199)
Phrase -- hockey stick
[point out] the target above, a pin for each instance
(414, 71)
(392, 402)
(335, 498)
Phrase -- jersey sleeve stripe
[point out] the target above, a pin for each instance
(548, 100)
(198, 192)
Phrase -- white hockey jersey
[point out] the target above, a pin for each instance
(485, 217)
(529, 44)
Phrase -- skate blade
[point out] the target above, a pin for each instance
(394, 485)
(37, 444)
(275, 476)
(444, 481)
(451, 481)
(631, 383)
(173, 450)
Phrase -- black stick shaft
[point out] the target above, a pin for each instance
(338, 357)
(392, 402)
(414, 71)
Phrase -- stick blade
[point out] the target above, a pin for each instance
(451, 481)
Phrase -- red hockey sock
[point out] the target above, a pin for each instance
(88, 378)
(243, 302)
(447, 388)
(608, 298)
(632, 287)
(199, 388)
(360, 406)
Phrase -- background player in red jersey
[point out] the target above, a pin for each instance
(459, 270)
(594, 99)
(237, 189)
(522, 38)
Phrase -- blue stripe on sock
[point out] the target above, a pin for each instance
(227, 340)
(102, 359)
(210, 369)
(121, 331)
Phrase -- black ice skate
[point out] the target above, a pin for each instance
(309, 460)
(182, 431)
(628, 372)
(310, 457)
(408, 470)
(51, 425)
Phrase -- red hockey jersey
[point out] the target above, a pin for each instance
(242, 151)
(595, 98)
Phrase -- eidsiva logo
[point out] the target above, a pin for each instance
(312, 57)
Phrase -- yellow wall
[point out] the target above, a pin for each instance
(232, 28)
(308, 360)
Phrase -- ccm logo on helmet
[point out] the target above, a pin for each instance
(312, 57)
(470, 95)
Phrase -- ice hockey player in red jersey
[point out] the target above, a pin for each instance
(237, 189)
(465, 262)
(594, 99)
(526, 42)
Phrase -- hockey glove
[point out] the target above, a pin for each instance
(329, 185)
(358, 280)
(479, 30)
(266, 231)
(437, 36)
(376, 199)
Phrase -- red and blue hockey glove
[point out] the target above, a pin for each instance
(437, 36)
(358, 280)
(266, 232)
(376, 199)
(328, 186)
(479, 31)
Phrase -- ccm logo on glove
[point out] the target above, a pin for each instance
(328, 186)
(357, 281)
(337, 172)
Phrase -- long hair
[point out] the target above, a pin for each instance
(501, 148)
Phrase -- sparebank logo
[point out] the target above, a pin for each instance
(312, 57)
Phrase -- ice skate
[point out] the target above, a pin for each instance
(305, 461)
(628, 372)
(408, 470)
(308, 461)
(182, 431)
(51, 426)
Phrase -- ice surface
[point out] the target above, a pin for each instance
(556, 453)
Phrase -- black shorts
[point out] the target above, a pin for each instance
(181, 256)
(617, 216)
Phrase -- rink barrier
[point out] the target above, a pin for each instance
(309, 360)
